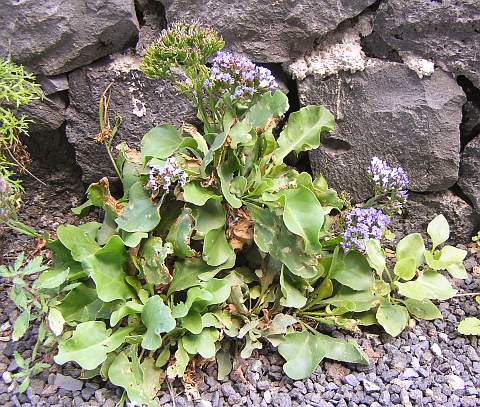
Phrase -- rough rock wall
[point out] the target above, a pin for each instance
(401, 76)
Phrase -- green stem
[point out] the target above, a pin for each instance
(107, 147)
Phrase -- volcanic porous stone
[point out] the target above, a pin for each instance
(267, 31)
(57, 36)
(47, 115)
(469, 180)
(422, 208)
(142, 103)
(447, 32)
(389, 112)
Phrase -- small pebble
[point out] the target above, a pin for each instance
(455, 382)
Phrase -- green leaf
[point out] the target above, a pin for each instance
(214, 291)
(375, 256)
(90, 228)
(272, 236)
(424, 309)
(393, 318)
(106, 269)
(304, 216)
(203, 343)
(356, 301)
(438, 230)
(192, 322)
(303, 352)
(133, 239)
(49, 279)
(194, 193)
(353, 271)
(411, 246)
(447, 257)
(225, 173)
(55, 321)
(224, 364)
(89, 344)
(251, 343)
(152, 260)
(469, 326)
(157, 317)
(34, 266)
(82, 304)
(140, 214)
(160, 142)
(405, 268)
(240, 134)
(129, 308)
(83, 209)
(20, 325)
(210, 216)
(177, 369)
(77, 241)
(303, 129)
(186, 274)
(280, 324)
(216, 249)
(141, 382)
(163, 357)
(457, 270)
(292, 297)
(269, 105)
(342, 350)
(180, 234)
(216, 145)
(430, 284)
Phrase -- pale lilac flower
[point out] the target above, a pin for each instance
(363, 224)
(239, 76)
(164, 177)
(389, 180)
(386, 177)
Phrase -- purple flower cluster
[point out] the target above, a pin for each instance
(239, 76)
(165, 176)
(388, 179)
(363, 224)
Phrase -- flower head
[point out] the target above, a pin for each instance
(166, 176)
(389, 180)
(363, 224)
(386, 177)
(239, 76)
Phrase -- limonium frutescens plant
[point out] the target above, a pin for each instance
(216, 242)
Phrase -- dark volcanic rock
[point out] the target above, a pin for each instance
(469, 180)
(46, 115)
(142, 103)
(267, 31)
(389, 112)
(57, 36)
(447, 32)
(422, 208)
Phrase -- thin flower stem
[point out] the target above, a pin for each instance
(467, 294)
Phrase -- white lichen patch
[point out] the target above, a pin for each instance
(124, 63)
(139, 108)
(423, 67)
(340, 51)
